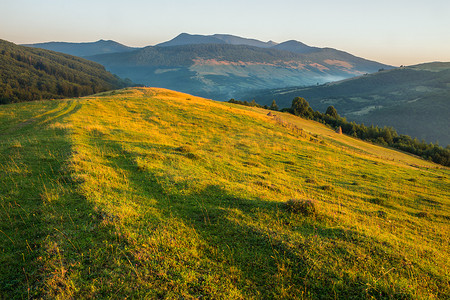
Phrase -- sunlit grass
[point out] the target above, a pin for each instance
(149, 193)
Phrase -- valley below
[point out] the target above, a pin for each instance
(414, 99)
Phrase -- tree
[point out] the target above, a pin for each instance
(332, 112)
(387, 135)
(274, 106)
(300, 107)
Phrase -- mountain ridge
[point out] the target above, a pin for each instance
(413, 99)
(84, 48)
(223, 66)
(220, 70)
(192, 39)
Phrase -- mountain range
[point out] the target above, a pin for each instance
(221, 66)
(414, 99)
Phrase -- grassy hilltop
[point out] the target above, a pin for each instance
(149, 193)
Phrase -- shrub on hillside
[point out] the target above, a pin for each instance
(326, 187)
(378, 201)
(422, 214)
(310, 180)
(305, 207)
(184, 149)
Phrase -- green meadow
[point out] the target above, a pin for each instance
(149, 193)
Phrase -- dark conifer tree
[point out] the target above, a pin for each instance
(274, 106)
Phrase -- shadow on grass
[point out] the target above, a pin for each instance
(268, 264)
(50, 233)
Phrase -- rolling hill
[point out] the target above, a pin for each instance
(221, 66)
(415, 100)
(150, 193)
(33, 74)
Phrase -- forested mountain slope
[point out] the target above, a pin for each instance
(32, 74)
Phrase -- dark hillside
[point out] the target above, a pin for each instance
(414, 100)
(33, 74)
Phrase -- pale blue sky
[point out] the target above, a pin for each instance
(390, 31)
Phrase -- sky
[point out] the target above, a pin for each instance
(396, 32)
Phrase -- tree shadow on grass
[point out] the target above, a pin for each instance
(270, 266)
(52, 237)
(22, 224)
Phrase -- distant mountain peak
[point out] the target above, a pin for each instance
(191, 39)
(296, 47)
(195, 39)
(107, 42)
(84, 49)
(294, 42)
(237, 40)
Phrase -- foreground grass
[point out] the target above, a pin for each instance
(149, 193)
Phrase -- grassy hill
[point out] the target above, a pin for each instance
(414, 100)
(149, 193)
(32, 74)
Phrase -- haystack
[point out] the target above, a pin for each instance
(270, 114)
(339, 130)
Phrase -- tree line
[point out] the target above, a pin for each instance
(386, 136)
(253, 103)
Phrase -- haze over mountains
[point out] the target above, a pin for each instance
(220, 66)
(414, 100)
